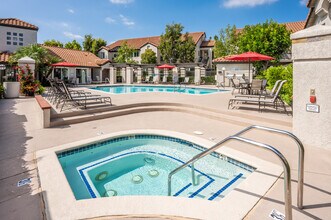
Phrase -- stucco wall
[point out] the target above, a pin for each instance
(105, 52)
(311, 70)
(29, 37)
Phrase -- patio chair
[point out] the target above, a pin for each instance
(238, 87)
(256, 86)
(265, 94)
(274, 100)
(186, 81)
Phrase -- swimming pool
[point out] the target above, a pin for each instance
(135, 89)
(139, 165)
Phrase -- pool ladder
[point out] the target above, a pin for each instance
(286, 166)
(178, 87)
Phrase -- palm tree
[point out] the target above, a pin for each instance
(41, 55)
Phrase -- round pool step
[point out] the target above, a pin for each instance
(137, 179)
(153, 173)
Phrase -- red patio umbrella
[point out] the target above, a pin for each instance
(65, 64)
(249, 57)
(166, 66)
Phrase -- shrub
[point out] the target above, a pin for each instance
(272, 74)
(2, 90)
(40, 89)
(29, 85)
(208, 80)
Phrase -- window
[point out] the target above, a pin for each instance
(21, 34)
(14, 43)
(14, 38)
(136, 54)
(15, 34)
(8, 33)
(8, 38)
(102, 55)
(8, 43)
(21, 39)
(21, 44)
(148, 47)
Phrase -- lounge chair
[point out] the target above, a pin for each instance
(186, 81)
(274, 100)
(81, 99)
(148, 79)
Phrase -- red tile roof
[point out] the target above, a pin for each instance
(208, 43)
(4, 57)
(137, 43)
(14, 22)
(78, 57)
(295, 26)
(291, 26)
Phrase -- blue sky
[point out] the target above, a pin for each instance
(111, 20)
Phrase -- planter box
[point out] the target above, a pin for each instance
(12, 89)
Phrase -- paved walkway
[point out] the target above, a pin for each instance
(21, 135)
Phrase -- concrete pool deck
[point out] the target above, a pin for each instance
(21, 136)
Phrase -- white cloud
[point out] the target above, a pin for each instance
(121, 2)
(110, 20)
(245, 3)
(126, 21)
(64, 24)
(303, 2)
(72, 36)
(71, 11)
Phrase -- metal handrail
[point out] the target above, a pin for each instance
(286, 166)
(300, 159)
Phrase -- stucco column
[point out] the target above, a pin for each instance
(197, 75)
(157, 75)
(129, 75)
(203, 72)
(139, 74)
(166, 72)
(175, 75)
(112, 75)
(311, 54)
(182, 72)
(123, 74)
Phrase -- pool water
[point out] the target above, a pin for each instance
(135, 89)
(140, 165)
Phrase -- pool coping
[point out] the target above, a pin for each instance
(60, 202)
(158, 85)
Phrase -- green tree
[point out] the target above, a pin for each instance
(125, 54)
(97, 43)
(73, 45)
(53, 43)
(41, 55)
(186, 49)
(148, 57)
(269, 38)
(227, 42)
(170, 41)
(272, 74)
(87, 43)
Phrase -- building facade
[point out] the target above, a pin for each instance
(203, 48)
(15, 33)
(319, 12)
